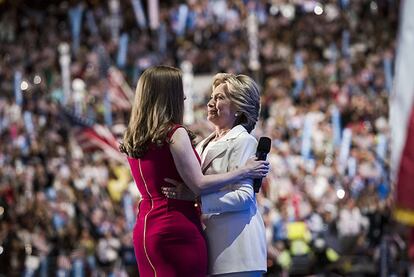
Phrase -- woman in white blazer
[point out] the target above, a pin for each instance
(233, 225)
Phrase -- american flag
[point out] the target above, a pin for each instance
(402, 118)
(402, 125)
(121, 94)
(92, 137)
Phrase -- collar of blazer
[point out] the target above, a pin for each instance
(221, 145)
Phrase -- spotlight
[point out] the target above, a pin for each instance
(340, 193)
(288, 11)
(37, 80)
(331, 12)
(274, 10)
(78, 84)
(24, 85)
(318, 10)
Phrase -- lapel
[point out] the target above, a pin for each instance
(214, 152)
(201, 145)
(221, 146)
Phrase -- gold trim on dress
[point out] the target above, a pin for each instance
(145, 219)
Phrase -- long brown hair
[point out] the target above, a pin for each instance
(158, 104)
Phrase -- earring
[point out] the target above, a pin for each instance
(236, 114)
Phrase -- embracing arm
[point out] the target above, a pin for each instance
(240, 196)
(190, 171)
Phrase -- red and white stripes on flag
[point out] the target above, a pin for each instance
(402, 118)
(98, 138)
(88, 136)
(119, 90)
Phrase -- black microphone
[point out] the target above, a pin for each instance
(263, 148)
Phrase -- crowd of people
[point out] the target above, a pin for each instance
(325, 74)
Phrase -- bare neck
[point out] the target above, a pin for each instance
(221, 132)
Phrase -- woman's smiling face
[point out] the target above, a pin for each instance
(220, 110)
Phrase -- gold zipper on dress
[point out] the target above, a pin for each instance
(145, 219)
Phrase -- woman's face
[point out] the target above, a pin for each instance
(220, 110)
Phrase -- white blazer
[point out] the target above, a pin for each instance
(233, 225)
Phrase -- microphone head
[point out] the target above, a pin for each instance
(264, 145)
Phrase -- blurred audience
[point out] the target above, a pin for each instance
(325, 72)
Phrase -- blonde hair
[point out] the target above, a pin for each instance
(244, 94)
(158, 105)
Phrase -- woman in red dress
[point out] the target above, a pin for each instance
(168, 238)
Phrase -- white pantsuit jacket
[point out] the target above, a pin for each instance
(233, 224)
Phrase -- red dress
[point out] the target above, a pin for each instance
(168, 238)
